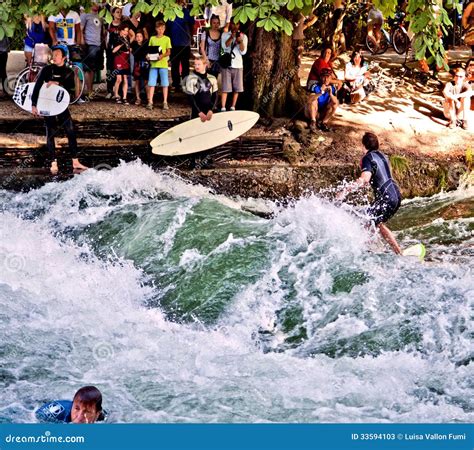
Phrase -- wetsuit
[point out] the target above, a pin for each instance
(59, 411)
(202, 92)
(387, 194)
(65, 77)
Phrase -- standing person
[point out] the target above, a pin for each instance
(201, 88)
(4, 50)
(65, 28)
(37, 32)
(94, 36)
(324, 62)
(141, 67)
(467, 23)
(134, 24)
(112, 37)
(58, 73)
(181, 32)
(457, 94)
(322, 102)
(376, 171)
(223, 11)
(159, 66)
(233, 42)
(210, 46)
(121, 53)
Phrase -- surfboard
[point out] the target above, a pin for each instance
(52, 100)
(417, 250)
(195, 136)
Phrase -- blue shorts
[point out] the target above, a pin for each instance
(28, 49)
(153, 77)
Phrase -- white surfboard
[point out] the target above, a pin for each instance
(52, 100)
(195, 136)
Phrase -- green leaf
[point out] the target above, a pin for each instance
(291, 5)
(2, 32)
(299, 4)
(287, 27)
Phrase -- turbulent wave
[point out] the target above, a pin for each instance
(182, 307)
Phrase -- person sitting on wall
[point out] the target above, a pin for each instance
(457, 96)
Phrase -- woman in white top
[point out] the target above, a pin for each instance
(356, 76)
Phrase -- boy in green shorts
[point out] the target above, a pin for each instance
(159, 66)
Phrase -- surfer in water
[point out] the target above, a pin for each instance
(85, 407)
(201, 88)
(376, 171)
(58, 73)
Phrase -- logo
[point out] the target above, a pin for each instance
(60, 96)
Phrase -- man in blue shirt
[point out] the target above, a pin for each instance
(181, 34)
(322, 102)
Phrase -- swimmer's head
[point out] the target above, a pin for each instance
(86, 405)
(370, 141)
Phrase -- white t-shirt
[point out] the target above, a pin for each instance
(237, 62)
(224, 11)
(65, 27)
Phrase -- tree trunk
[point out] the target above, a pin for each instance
(272, 82)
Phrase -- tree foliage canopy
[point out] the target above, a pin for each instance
(428, 17)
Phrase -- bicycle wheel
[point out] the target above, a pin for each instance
(400, 41)
(383, 44)
(371, 45)
(78, 82)
(27, 75)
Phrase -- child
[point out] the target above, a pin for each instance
(159, 66)
(121, 52)
(141, 67)
(201, 88)
(58, 73)
(85, 407)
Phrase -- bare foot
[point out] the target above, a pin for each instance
(54, 168)
(76, 165)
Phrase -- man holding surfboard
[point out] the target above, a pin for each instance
(58, 73)
(376, 171)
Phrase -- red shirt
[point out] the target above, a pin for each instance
(316, 69)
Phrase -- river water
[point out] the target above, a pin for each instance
(182, 307)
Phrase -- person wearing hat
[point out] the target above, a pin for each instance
(58, 73)
(457, 96)
(322, 102)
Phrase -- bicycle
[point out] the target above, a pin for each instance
(382, 82)
(397, 38)
(40, 59)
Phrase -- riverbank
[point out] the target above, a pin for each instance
(426, 156)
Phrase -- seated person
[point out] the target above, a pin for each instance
(470, 78)
(457, 96)
(322, 63)
(322, 102)
(201, 88)
(85, 407)
(356, 76)
(374, 25)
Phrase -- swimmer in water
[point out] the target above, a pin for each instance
(85, 407)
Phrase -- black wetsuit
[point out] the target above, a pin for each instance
(204, 100)
(65, 77)
(387, 194)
